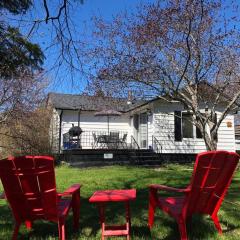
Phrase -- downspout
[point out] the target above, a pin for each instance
(78, 139)
(60, 132)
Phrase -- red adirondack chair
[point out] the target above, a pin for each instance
(30, 188)
(211, 178)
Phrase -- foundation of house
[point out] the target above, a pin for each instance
(140, 157)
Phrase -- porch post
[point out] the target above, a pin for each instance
(108, 124)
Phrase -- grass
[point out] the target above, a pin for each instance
(117, 177)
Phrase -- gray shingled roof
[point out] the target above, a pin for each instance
(90, 103)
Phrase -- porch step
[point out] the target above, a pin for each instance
(146, 157)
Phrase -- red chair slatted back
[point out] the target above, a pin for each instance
(212, 175)
(29, 185)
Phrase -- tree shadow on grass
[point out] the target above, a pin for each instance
(89, 225)
(198, 227)
(141, 232)
(6, 221)
(229, 215)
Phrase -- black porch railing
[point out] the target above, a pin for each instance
(96, 139)
(134, 144)
(156, 145)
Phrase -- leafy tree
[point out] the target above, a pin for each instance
(15, 6)
(21, 81)
(17, 54)
(20, 63)
(179, 50)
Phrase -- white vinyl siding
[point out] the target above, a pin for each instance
(226, 134)
(163, 121)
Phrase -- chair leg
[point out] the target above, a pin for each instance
(101, 208)
(182, 228)
(28, 225)
(76, 209)
(152, 207)
(216, 223)
(61, 229)
(128, 219)
(16, 230)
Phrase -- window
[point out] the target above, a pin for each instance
(187, 125)
(198, 133)
(184, 127)
(178, 126)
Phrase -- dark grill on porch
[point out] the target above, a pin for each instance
(72, 139)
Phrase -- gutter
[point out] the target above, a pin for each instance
(82, 110)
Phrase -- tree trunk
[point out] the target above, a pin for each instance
(208, 130)
(210, 141)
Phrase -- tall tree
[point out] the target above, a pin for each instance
(179, 50)
(20, 63)
(52, 24)
(17, 54)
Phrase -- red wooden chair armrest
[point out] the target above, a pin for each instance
(71, 190)
(74, 192)
(169, 189)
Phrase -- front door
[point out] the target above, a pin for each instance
(143, 130)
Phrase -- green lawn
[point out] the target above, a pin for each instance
(117, 177)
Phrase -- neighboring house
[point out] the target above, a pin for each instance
(145, 122)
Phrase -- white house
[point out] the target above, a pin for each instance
(149, 124)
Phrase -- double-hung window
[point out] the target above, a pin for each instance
(184, 126)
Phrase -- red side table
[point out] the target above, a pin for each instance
(102, 197)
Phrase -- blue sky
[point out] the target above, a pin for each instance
(82, 15)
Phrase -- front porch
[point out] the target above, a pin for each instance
(98, 139)
(113, 140)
